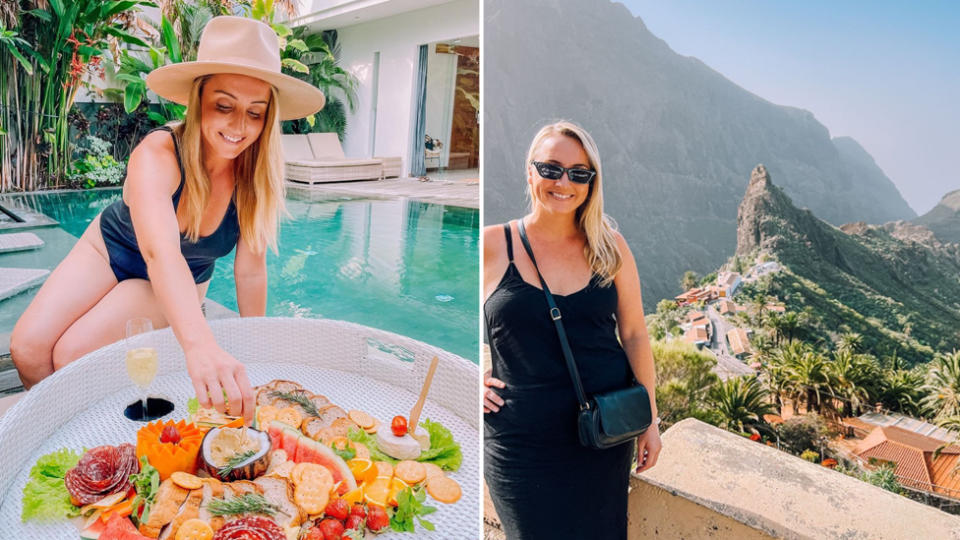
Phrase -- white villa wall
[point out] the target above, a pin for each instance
(397, 39)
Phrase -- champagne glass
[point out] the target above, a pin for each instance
(141, 366)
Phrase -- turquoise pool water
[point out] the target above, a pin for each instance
(403, 266)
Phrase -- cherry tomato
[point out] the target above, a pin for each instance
(399, 426)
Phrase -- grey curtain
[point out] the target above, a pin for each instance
(417, 148)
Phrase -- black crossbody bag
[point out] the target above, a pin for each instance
(608, 419)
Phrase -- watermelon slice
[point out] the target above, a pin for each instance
(94, 531)
(119, 528)
(302, 449)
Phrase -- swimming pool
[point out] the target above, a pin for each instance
(404, 266)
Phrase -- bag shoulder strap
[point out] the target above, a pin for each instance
(556, 316)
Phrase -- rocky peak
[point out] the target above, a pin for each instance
(944, 218)
(761, 210)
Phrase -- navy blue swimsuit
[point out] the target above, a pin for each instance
(201, 256)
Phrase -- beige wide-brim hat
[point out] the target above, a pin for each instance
(240, 46)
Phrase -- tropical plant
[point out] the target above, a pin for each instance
(942, 386)
(98, 167)
(850, 376)
(69, 41)
(684, 376)
(132, 71)
(851, 342)
(900, 391)
(319, 55)
(741, 403)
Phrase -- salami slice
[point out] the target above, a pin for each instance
(102, 471)
(251, 528)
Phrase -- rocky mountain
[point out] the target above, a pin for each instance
(676, 138)
(896, 284)
(944, 218)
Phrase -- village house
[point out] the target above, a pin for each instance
(915, 459)
(739, 343)
(726, 307)
(729, 282)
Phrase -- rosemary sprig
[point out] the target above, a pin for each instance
(235, 461)
(248, 503)
(299, 399)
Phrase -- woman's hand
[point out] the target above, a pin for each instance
(648, 447)
(491, 401)
(216, 373)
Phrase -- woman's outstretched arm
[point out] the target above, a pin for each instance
(636, 342)
(250, 273)
(153, 174)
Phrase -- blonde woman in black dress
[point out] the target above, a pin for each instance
(543, 482)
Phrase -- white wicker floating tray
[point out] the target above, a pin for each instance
(354, 366)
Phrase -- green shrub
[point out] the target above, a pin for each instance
(810, 455)
(98, 167)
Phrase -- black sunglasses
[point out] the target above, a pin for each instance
(554, 172)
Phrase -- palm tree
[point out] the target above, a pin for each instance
(943, 386)
(849, 376)
(806, 375)
(741, 402)
(851, 342)
(900, 390)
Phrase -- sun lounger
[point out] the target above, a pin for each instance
(19, 242)
(326, 161)
(16, 280)
(392, 166)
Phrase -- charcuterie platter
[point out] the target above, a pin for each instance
(313, 465)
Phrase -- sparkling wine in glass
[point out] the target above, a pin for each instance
(141, 361)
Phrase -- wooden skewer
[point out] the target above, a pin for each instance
(415, 412)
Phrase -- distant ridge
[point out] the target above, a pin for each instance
(944, 218)
(676, 138)
(895, 284)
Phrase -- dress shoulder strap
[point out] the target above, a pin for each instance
(509, 235)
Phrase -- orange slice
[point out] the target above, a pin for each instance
(354, 496)
(378, 491)
(396, 486)
(363, 470)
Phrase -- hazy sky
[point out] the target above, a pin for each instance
(886, 73)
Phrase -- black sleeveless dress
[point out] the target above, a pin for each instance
(543, 482)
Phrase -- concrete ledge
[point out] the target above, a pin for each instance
(709, 483)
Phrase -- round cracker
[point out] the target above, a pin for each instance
(186, 480)
(310, 473)
(194, 529)
(433, 471)
(362, 451)
(312, 499)
(361, 418)
(411, 472)
(444, 489)
(290, 416)
(376, 426)
(384, 468)
(266, 413)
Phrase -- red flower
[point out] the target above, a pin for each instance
(755, 437)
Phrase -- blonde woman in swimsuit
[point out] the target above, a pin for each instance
(193, 192)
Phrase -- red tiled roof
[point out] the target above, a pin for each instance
(912, 456)
(739, 342)
(695, 334)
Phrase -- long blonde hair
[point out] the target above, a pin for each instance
(601, 249)
(258, 172)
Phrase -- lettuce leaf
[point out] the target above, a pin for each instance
(444, 452)
(45, 497)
